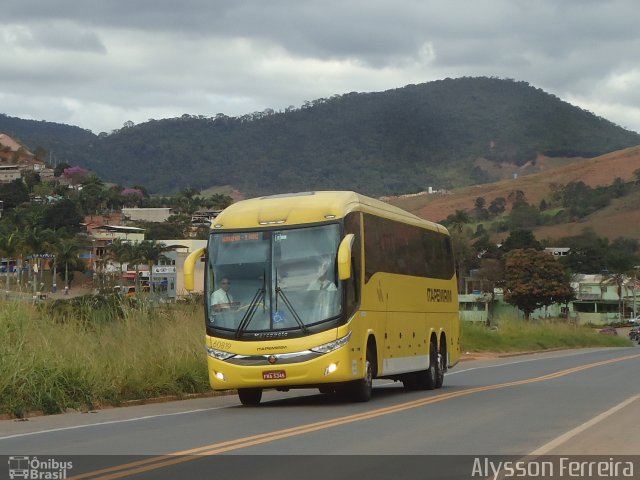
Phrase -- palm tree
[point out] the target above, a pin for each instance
(9, 247)
(152, 253)
(137, 257)
(36, 241)
(66, 251)
(120, 251)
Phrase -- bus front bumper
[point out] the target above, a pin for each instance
(341, 365)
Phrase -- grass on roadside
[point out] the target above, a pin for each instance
(87, 355)
(519, 335)
(88, 352)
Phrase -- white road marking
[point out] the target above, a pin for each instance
(517, 362)
(548, 447)
(110, 422)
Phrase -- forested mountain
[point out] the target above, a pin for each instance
(390, 142)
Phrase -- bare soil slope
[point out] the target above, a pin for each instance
(598, 171)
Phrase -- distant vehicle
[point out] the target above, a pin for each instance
(608, 331)
(129, 290)
(635, 321)
(634, 334)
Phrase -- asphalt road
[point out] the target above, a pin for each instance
(569, 402)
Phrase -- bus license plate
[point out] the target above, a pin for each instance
(274, 375)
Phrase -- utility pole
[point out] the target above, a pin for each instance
(635, 281)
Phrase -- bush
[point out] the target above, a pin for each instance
(519, 335)
(90, 351)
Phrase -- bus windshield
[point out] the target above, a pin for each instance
(273, 280)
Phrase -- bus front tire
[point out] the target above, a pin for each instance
(361, 390)
(250, 396)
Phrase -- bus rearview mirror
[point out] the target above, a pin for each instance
(189, 268)
(344, 257)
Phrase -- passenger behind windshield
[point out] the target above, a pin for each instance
(323, 282)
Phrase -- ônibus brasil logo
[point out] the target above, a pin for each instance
(32, 468)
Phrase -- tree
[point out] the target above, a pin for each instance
(534, 279)
(479, 210)
(622, 255)
(62, 214)
(456, 221)
(464, 253)
(14, 193)
(517, 197)
(497, 206)
(587, 252)
(9, 248)
(162, 231)
(524, 216)
(36, 240)
(120, 252)
(60, 168)
(217, 200)
(91, 198)
(66, 253)
(77, 175)
(521, 239)
(152, 252)
(31, 178)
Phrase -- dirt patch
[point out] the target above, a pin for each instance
(621, 219)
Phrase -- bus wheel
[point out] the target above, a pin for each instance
(250, 396)
(440, 371)
(426, 379)
(362, 389)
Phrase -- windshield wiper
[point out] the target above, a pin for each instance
(248, 315)
(303, 327)
(279, 291)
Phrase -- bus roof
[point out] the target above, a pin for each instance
(309, 207)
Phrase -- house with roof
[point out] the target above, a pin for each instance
(599, 299)
(9, 173)
(604, 298)
(15, 158)
(156, 214)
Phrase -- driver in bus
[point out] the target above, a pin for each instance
(221, 299)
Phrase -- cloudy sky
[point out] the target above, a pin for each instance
(100, 63)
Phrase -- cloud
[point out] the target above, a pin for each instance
(103, 63)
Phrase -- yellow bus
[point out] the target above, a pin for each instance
(326, 290)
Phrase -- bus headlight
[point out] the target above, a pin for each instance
(331, 346)
(331, 368)
(218, 354)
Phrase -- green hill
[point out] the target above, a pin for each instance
(397, 141)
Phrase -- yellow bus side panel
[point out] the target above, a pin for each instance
(411, 309)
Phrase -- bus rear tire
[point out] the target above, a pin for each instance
(441, 368)
(425, 379)
(250, 396)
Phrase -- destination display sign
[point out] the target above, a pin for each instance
(241, 237)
